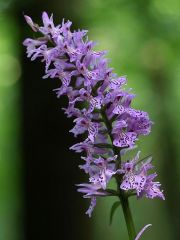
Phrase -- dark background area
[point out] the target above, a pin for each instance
(52, 203)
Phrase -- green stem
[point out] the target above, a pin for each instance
(123, 198)
(128, 216)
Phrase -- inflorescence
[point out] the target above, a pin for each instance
(101, 108)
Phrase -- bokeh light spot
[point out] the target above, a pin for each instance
(10, 70)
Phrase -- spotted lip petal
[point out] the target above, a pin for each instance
(136, 177)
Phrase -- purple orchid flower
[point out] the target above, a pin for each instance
(102, 111)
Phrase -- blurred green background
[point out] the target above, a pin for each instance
(143, 40)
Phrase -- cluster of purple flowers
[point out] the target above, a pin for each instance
(100, 106)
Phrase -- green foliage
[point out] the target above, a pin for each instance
(113, 210)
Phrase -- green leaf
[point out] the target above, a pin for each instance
(113, 209)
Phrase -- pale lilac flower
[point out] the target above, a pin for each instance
(135, 177)
(31, 23)
(104, 169)
(92, 206)
(88, 147)
(91, 190)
